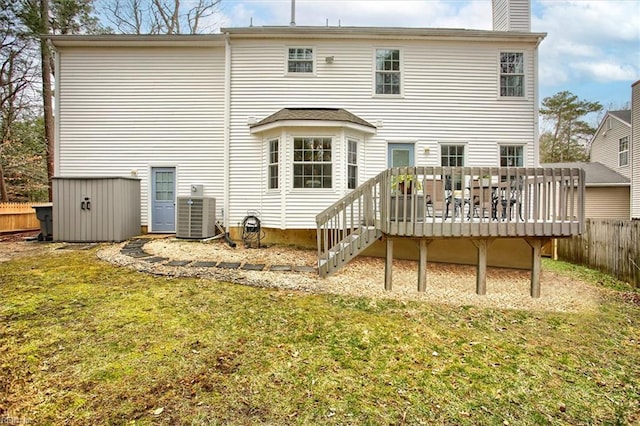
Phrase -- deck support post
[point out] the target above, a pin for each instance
(388, 264)
(422, 265)
(481, 272)
(536, 264)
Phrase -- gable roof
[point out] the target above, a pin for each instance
(351, 32)
(596, 174)
(309, 116)
(624, 115)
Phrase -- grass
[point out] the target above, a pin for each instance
(83, 342)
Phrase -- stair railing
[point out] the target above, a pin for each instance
(357, 212)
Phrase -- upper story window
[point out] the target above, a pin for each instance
(274, 168)
(312, 163)
(511, 156)
(300, 60)
(623, 151)
(387, 71)
(352, 164)
(512, 74)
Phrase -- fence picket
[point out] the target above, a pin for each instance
(611, 246)
(18, 217)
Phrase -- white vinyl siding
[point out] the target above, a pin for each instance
(512, 15)
(449, 92)
(606, 144)
(125, 110)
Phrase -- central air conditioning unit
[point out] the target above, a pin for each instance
(196, 217)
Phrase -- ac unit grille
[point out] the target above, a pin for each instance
(196, 217)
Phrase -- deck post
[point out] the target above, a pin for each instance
(481, 272)
(422, 266)
(388, 264)
(536, 264)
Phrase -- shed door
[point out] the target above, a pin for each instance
(163, 199)
(401, 155)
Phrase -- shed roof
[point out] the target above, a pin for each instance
(596, 174)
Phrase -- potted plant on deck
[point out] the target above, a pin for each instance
(405, 184)
(405, 198)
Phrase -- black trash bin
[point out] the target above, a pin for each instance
(44, 213)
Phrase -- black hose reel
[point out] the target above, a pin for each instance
(251, 231)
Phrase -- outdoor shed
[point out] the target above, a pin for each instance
(95, 208)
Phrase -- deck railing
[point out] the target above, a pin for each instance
(440, 202)
(482, 201)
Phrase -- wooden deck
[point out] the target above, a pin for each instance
(479, 203)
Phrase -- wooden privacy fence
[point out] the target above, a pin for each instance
(18, 217)
(611, 246)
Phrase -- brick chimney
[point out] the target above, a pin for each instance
(511, 15)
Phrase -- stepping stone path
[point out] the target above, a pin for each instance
(135, 249)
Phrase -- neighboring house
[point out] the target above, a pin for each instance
(635, 150)
(283, 122)
(606, 191)
(611, 144)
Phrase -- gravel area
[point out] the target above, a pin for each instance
(364, 276)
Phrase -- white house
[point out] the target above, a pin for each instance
(302, 125)
(237, 112)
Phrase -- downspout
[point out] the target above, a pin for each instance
(56, 113)
(536, 114)
(227, 119)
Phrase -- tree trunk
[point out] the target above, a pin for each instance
(49, 134)
(3, 188)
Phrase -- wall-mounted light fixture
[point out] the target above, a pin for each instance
(426, 150)
(328, 59)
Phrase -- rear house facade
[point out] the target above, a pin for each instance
(284, 122)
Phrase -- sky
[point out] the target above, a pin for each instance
(592, 48)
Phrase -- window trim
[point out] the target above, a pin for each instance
(512, 145)
(626, 151)
(294, 162)
(276, 164)
(400, 73)
(300, 73)
(456, 144)
(523, 74)
(350, 165)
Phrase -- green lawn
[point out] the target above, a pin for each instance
(83, 342)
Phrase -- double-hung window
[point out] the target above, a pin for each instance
(387, 71)
(274, 168)
(511, 156)
(300, 60)
(623, 151)
(312, 163)
(453, 156)
(512, 74)
(352, 164)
